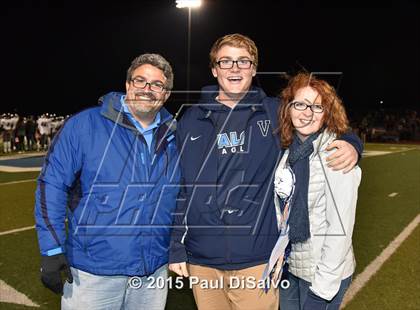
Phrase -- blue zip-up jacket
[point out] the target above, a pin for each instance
(118, 196)
(239, 231)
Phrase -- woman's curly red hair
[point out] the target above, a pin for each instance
(334, 119)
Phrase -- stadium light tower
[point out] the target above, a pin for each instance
(190, 4)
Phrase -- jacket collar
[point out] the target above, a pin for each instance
(113, 110)
(322, 142)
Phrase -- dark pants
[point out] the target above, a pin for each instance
(44, 141)
(21, 143)
(294, 297)
(31, 142)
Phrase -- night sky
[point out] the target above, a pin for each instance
(62, 57)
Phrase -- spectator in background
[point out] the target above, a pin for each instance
(30, 133)
(14, 119)
(7, 125)
(364, 129)
(44, 128)
(20, 133)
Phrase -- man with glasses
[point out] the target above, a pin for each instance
(225, 225)
(111, 172)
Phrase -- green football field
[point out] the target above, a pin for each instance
(389, 199)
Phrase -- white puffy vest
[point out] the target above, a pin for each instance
(306, 256)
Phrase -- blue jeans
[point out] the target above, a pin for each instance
(294, 297)
(93, 292)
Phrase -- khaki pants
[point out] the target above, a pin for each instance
(230, 290)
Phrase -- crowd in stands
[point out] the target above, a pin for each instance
(389, 126)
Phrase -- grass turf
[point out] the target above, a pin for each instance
(390, 147)
(17, 205)
(396, 285)
(17, 176)
(379, 219)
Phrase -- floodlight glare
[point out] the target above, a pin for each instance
(188, 3)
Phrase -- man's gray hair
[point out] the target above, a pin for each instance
(157, 61)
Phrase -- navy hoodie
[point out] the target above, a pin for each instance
(225, 215)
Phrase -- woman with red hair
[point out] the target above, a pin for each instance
(316, 205)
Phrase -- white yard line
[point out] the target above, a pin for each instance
(10, 295)
(24, 155)
(12, 231)
(19, 169)
(361, 279)
(375, 153)
(368, 153)
(392, 194)
(17, 182)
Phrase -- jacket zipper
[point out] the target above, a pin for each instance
(144, 155)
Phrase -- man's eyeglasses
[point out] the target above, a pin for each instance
(302, 106)
(153, 86)
(228, 63)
